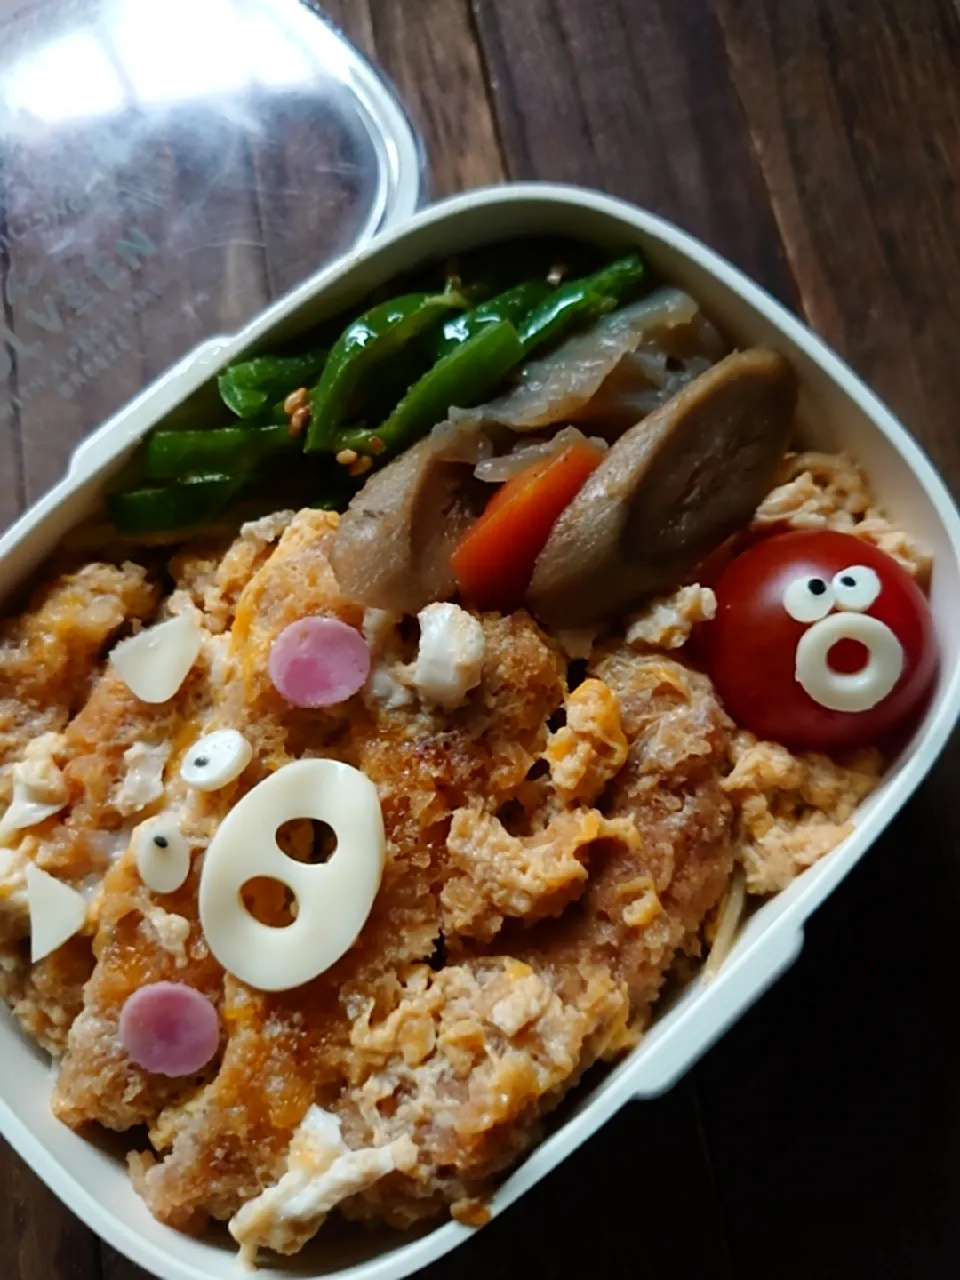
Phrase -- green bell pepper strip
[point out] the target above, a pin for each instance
(170, 455)
(195, 500)
(582, 301)
(382, 331)
(514, 305)
(464, 377)
(621, 279)
(570, 308)
(250, 387)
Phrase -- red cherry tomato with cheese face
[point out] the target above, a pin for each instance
(820, 641)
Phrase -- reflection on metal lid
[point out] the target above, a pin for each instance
(166, 168)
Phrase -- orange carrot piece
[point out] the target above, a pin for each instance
(493, 562)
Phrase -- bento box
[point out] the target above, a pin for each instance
(836, 411)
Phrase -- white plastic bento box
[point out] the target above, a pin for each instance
(836, 410)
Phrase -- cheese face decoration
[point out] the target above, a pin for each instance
(162, 855)
(333, 899)
(154, 663)
(216, 759)
(57, 912)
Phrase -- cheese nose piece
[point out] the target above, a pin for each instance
(333, 898)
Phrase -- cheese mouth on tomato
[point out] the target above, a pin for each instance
(866, 685)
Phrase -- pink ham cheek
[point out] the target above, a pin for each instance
(318, 662)
(169, 1029)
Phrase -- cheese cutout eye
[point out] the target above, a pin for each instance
(856, 588)
(57, 912)
(162, 855)
(808, 599)
(216, 759)
(333, 898)
(154, 663)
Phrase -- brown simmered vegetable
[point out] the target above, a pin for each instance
(393, 546)
(592, 380)
(669, 491)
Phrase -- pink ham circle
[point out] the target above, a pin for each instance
(318, 662)
(169, 1029)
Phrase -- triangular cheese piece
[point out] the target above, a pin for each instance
(57, 912)
(23, 813)
(154, 663)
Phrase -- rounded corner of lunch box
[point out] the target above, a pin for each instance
(712, 1005)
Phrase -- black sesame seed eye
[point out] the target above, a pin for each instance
(161, 842)
(817, 586)
(848, 581)
(201, 762)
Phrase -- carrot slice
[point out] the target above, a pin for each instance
(493, 561)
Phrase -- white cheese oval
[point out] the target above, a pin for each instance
(333, 898)
(216, 759)
(856, 588)
(808, 599)
(859, 690)
(57, 912)
(162, 855)
(154, 663)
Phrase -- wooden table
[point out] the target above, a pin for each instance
(816, 143)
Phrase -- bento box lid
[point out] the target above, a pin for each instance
(166, 169)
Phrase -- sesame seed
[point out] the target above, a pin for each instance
(294, 401)
(299, 421)
(161, 842)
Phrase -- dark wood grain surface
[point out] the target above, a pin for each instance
(817, 144)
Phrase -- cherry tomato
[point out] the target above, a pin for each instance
(820, 641)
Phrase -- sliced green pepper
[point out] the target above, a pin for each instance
(621, 278)
(170, 455)
(569, 308)
(464, 377)
(379, 333)
(194, 500)
(514, 305)
(582, 301)
(248, 388)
